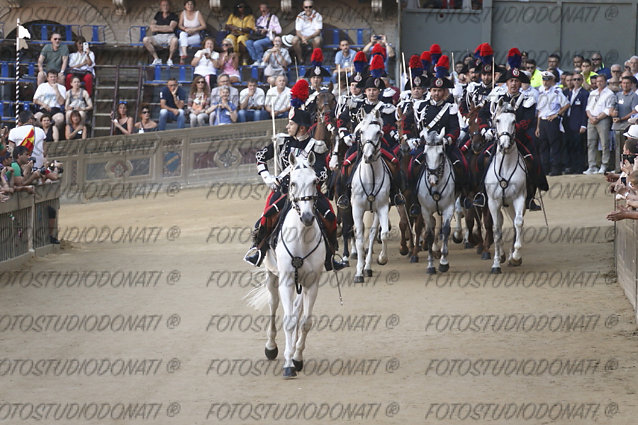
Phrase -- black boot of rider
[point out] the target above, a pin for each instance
(257, 252)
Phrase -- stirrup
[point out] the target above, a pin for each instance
(343, 202)
(337, 265)
(254, 256)
(415, 210)
(399, 199)
(479, 200)
(533, 206)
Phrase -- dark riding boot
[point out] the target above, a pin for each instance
(257, 252)
(529, 200)
(331, 248)
(343, 202)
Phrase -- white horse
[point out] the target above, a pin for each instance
(435, 190)
(505, 184)
(370, 192)
(295, 263)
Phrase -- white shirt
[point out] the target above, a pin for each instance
(26, 134)
(254, 102)
(46, 94)
(205, 66)
(600, 102)
(550, 101)
(282, 100)
(78, 58)
(307, 25)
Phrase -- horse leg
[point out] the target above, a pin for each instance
(436, 247)
(430, 223)
(495, 209)
(488, 224)
(357, 215)
(371, 238)
(418, 229)
(271, 349)
(457, 237)
(517, 209)
(286, 293)
(405, 231)
(445, 233)
(385, 234)
(470, 218)
(309, 295)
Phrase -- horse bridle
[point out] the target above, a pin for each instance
(438, 172)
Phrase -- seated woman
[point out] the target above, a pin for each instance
(224, 111)
(145, 124)
(229, 61)
(75, 128)
(240, 23)
(206, 62)
(51, 131)
(81, 64)
(198, 101)
(191, 22)
(276, 60)
(122, 123)
(77, 99)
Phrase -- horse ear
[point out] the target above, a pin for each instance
(441, 134)
(292, 159)
(311, 158)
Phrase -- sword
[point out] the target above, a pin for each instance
(540, 195)
(274, 139)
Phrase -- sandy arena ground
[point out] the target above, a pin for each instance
(403, 349)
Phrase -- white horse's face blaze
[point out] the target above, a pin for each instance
(434, 154)
(505, 123)
(303, 191)
(370, 130)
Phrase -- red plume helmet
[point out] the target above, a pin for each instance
(379, 50)
(317, 57)
(377, 67)
(299, 93)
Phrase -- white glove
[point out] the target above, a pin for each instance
(330, 127)
(270, 180)
(334, 162)
(488, 133)
(347, 139)
(413, 143)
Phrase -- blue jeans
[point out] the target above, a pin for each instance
(252, 115)
(167, 116)
(256, 48)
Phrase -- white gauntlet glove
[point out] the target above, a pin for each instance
(334, 162)
(347, 139)
(270, 180)
(488, 133)
(413, 143)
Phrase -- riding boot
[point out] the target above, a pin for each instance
(257, 252)
(331, 249)
(343, 202)
(529, 199)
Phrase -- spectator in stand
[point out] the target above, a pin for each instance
(553, 62)
(224, 81)
(598, 66)
(6, 176)
(81, 64)
(77, 99)
(566, 81)
(51, 132)
(633, 65)
(344, 59)
(626, 102)
(163, 28)
(267, 27)
(240, 24)
(589, 75)
(75, 129)
(29, 136)
(385, 48)
(536, 79)
(551, 106)
(191, 22)
(122, 122)
(206, 62)
(50, 98)
(279, 98)
(224, 111)
(199, 101)
(229, 61)
(616, 77)
(308, 26)
(171, 105)
(146, 124)
(23, 170)
(53, 57)
(276, 59)
(251, 103)
(599, 106)
(577, 62)
(576, 128)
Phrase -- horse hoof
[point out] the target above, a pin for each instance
(457, 239)
(298, 364)
(468, 245)
(271, 354)
(486, 256)
(502, 258)
(515, 263)
(358, 279)
(444, 267)
(496, 270)
(436, 254)
(414, 259)
(289, 372)
(368, 273)
(382, 262)
(431, 270)
(479, 249)
(345, 263)
(404, 251)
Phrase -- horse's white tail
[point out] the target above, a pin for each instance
(258, 297)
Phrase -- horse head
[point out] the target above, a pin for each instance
(434, 150)
(477, 141)
(302, 191)
(505, 124)
(370, 131)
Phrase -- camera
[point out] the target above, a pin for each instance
(624, 180)
(377, 37)
(629, 157)
(85, 46)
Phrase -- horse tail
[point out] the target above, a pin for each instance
(258, 297)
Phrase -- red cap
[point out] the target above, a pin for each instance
(425, 56)
(317, 57)
(360, 57)
(300, 90)
(415, 62)
(486, 50)
(435, 49)
(444, 62)
(513, 52)
(378, 49)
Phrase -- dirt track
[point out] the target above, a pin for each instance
(404, 348)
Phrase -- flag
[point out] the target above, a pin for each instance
(22, 34)
(29, 141)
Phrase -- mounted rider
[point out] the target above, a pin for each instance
(434, 114)
(477, 92)
(525, 106)
(315, 75)
(299, 143)
(350, 118)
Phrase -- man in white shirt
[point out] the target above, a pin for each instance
(280, 95)
(29, 136)
(251, 103)
(552, 105)
(308, 26)
(599, 106)
(49, 97)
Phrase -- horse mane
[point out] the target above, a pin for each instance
(369, 119)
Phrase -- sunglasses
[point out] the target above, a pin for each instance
(616, 70)
(577, 79)
(146, 111)
(123, 102)
(596, 59)
(307, 7)
(56, 39)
